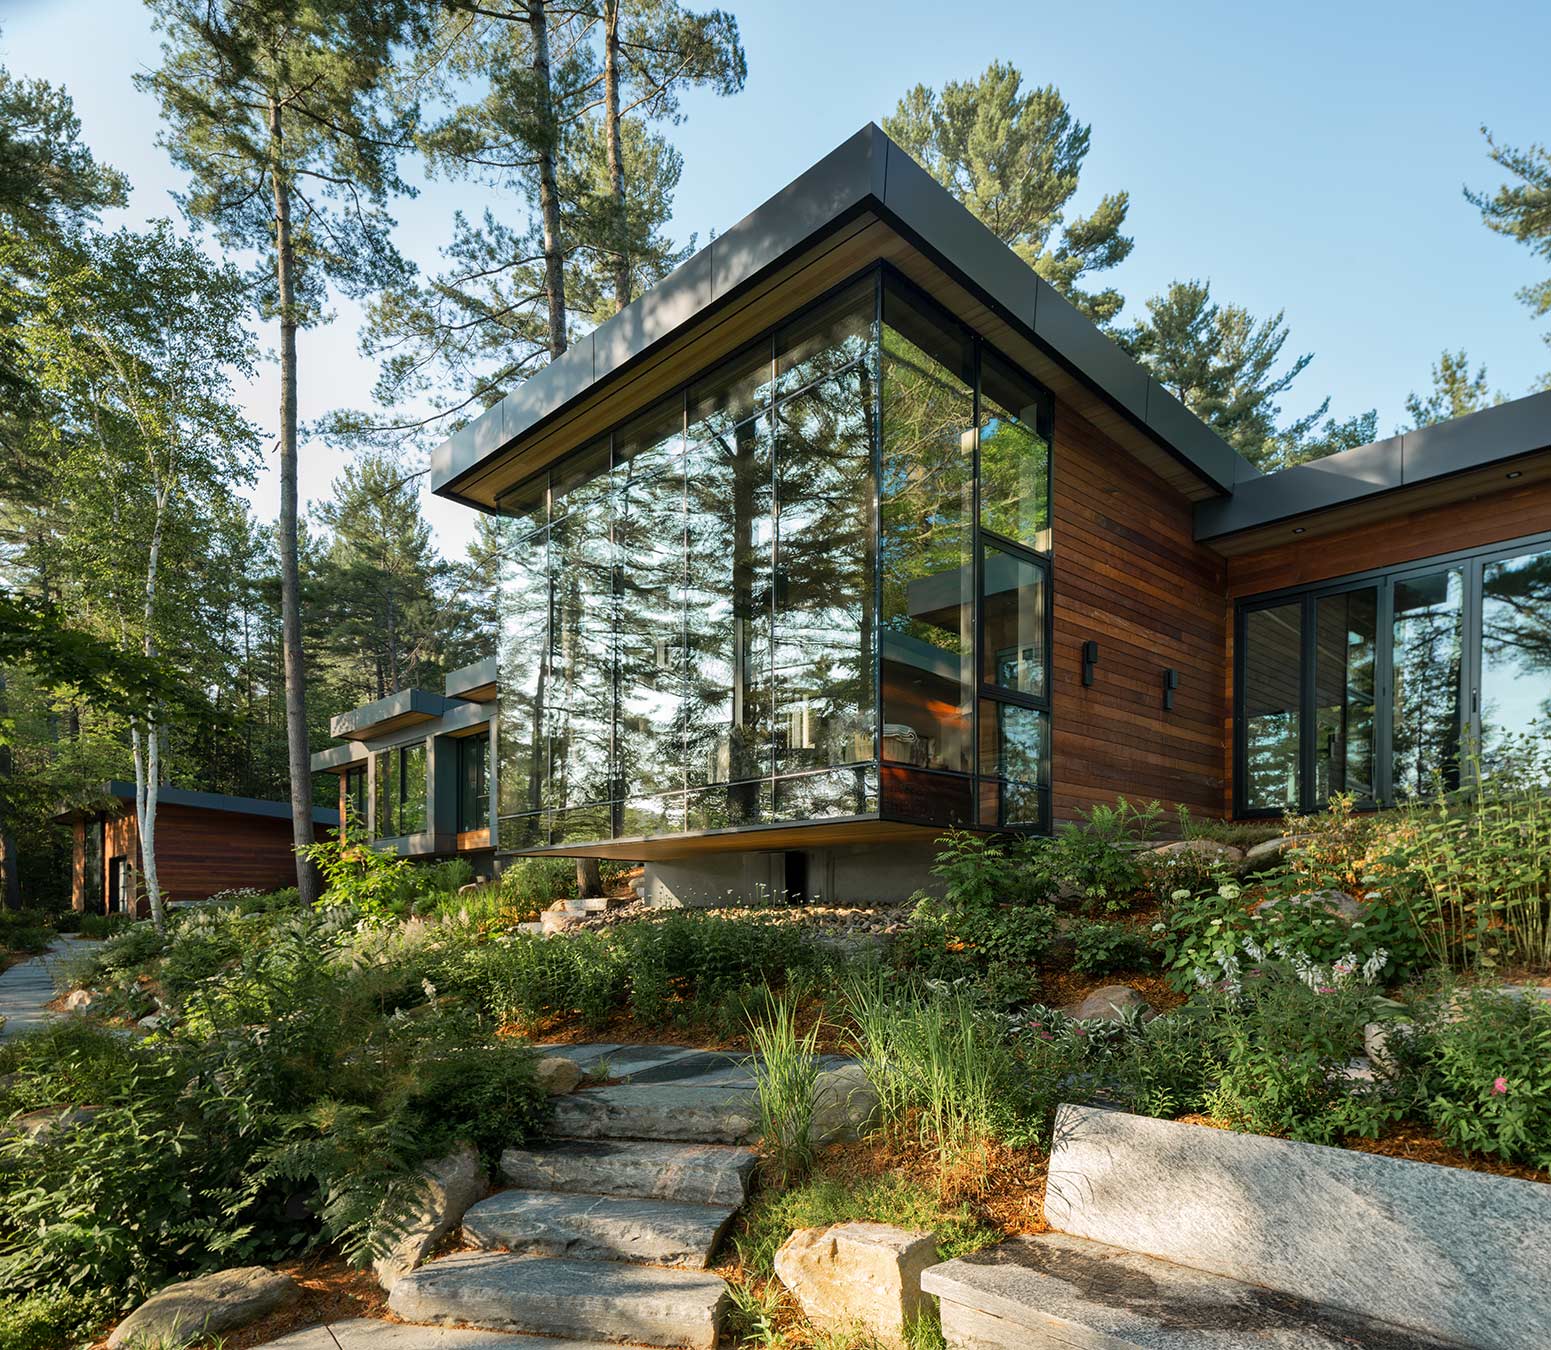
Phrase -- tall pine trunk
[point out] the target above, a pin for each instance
(290, 572)
(549, 193)
(615, 152)
(10, 875)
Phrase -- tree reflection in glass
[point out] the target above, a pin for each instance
(1515, 651)
(1427, 644)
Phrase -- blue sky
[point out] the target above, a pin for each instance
(1307, 158)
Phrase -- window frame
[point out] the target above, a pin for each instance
(1471, 563)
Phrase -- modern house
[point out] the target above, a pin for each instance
(853, 529)
(206, 842)
(414, 771)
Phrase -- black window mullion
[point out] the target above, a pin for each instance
(1308, 698)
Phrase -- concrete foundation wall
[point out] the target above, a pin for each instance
(859, 873)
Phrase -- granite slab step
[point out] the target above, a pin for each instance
(598, 1227)
(698, 1174)
(674, 1111)
(365, 1333)
(1060, 1291)
(559, 1296)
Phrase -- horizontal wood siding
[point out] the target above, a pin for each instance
(1129, 575)
(1408, 537)
(200, 852)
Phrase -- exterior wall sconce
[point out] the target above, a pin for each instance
(1090, 658)
(1170, 684)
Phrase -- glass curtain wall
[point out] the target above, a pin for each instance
(1388, 686)
(401, 791)
(703, 611)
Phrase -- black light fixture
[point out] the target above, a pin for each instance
(1090, 658)
(1170, 684)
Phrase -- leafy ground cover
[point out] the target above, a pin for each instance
(300, 1063)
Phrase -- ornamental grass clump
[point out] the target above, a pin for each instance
(786, 1075)
(940, 1063)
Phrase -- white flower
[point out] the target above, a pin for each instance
(1229, 890)
(1158, 927)
(1180, 894)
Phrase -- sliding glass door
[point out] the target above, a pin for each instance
(1383, 685)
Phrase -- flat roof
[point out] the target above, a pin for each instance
(1478, 441)
(121, 790)
(868, 173)
(405, 708)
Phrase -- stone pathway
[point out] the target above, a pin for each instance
(606, 1234)
(28, 986)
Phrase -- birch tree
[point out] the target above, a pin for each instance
(144, 339)
(277, 110)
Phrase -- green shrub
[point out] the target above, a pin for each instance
(104, 925)
(1283, 1041)
(1096, 860)
(68, 921)
(1107, 946)
(1488, 1076)
(536, 883)
(51, 1320)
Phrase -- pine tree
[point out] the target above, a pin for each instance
(1522, 210)
(1014, 156)
(1223, 364)
(1455, 392)
(277, 110)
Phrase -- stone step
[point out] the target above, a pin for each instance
(598, 1227)
(673, 1111)
(369, 1334)
(1067, 1292)
(697, 1174)
(559, 1296)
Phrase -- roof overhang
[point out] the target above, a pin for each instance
(119, 795)
(1432, 466)
(406, 708)
(866, 201)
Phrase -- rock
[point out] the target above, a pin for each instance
(1208, 851)
(38, 1125)
(1108, 1004)
(154, 1022)
(469, 888)
(1380, 1040)
(676, 1111)
(851, 1274)
(1268, 853)
(844, 1104)
(77, 999)
(704, 1174)
(452, 1184)
(559, 917)
(208, 1305)
(1339, 903)
(557, 1076)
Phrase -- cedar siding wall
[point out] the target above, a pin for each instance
(200, 852)
(1129, 575)
(1408, 536)
(1488, 519)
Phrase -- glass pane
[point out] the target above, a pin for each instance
(827, 340)
(1515, 651)
(649, 551)
(652, 442)
(522, 656)
(1426, 651)
(1014, 455)
(927, 633)
(579, 480)
(579, 699)
(412, 819)
(730, 394)
(473, 783)
(1345, 722)
(823, 630)
(834, 792)
(525, 506)
(1006, 805)
(387, 822)
(1271, 707)
(730, 533)
(1013, 742)
(1013, 615)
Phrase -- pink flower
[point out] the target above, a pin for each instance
(1078, 1031)
(1327, 989)
(1500, 1087)
(1046, 1036)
